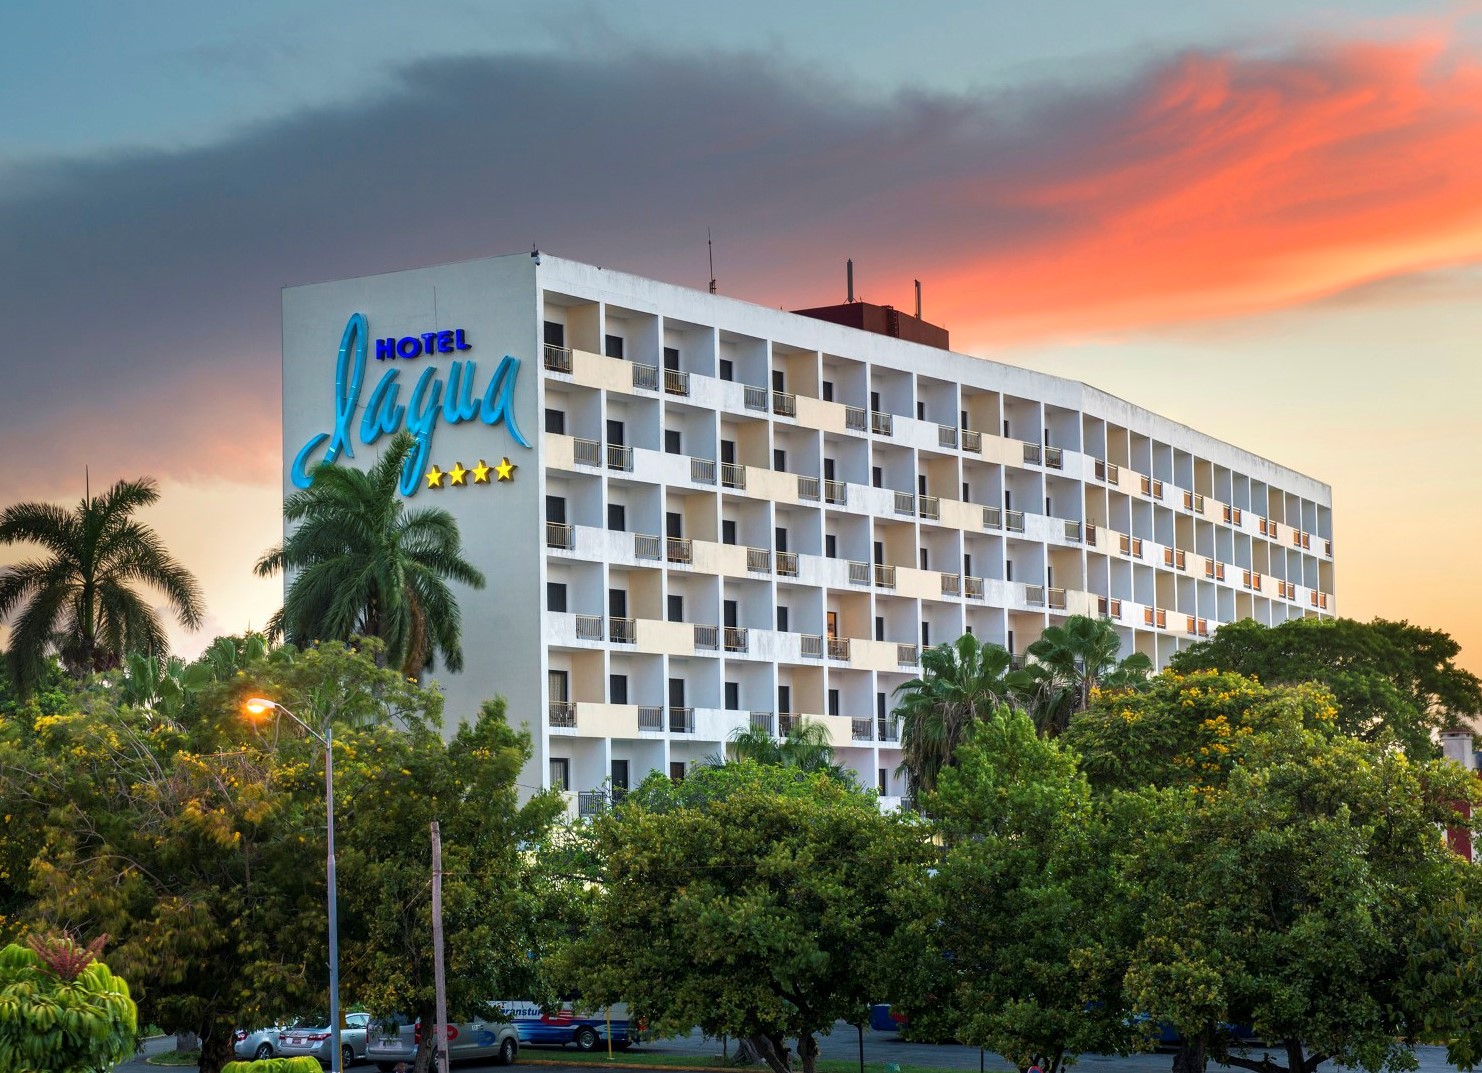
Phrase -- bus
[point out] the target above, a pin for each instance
(570, 1023)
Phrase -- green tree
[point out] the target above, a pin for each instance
(365, 565)
(1016, 943)
(754, 901)
(1387, 677)
(1072, 663)
(62, 1010)
(807, 746)
(959, 684)
(81, 599)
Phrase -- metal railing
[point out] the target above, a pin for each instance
(676, 382)
(646, 376)
(736, 639)
(859, 573)
(681, 720)
(1032, 454)
(759, 560)
(702, 470)
(586, 452)
(557, 358)
(1054, 458)
(1091, 533)
(810, 645)
(1056, 598)
(992, 517)
(905, 503)
(787, 563)
(561, 713)
(836, 492)
(787, 723)
(646, 546)
(951, 585)
(619, 457)
(1108, 608)
(854, 418)
(754, 398)
(764, 721)
(732, 476)
(1073, 531)
(887, 730)
(972, 587)
(1013, 521)
(885, 575)
(591, 802)
(560, 535)
(784, 404)
(1034, 595)
(882, 423)
(707, 637)
(946, 436)
(808, 488)
(589, 627)
(650, 717)
(1109, 472)
(972, 441)
(907, 655)
(861, 729)
(1131, 546)
(929, 507)
(838, 648)
(622, 631)
(679, 550)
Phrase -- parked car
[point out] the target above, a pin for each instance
(257, 1044)
(312, 1036)
(394, 1039)
(571, 1023)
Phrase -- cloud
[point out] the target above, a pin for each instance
(140, 299)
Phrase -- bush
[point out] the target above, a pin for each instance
(61, 1010)
(302, 1064)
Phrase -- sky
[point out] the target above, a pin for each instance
(1263, 219)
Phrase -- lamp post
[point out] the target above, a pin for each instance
(258, 706)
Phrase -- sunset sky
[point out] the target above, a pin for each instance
(1263, 219)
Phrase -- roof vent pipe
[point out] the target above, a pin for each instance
(918, 299)
(849, 276)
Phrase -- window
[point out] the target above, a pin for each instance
(877, 478)
(781, 619)
(1048, 512)
(676, 770)
(1008, 570)
(555, 509)
(555, 421)
(727, 531)
(884, 782)
(781, 538)
(921, 483)
(619, 775)
(672, 442)
(560, 773)
(967, 565)
(926, 635)
(920, 410)
(1008, 499)
(733, 696)
(779, 460)
(671, 357)
(727, 369)
(831, 546)
(828, 391)
(613, 346)
(617, 689)
(880, 705)
(879, 627)
(967, 492)
(925, 559)
(784, 698)
(833, 702)
(555, 596)
(676, 608)
(1005, 428)
(617, 517)
(555, 334)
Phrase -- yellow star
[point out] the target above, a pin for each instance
(506, 470)
(435, 477)
(481, 472)
(457, 473)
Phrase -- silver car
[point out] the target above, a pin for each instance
(312, 1036)
(395, 1039)
(257, 1044)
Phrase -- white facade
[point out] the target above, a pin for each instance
(729, 515)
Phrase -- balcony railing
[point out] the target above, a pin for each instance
(838, 648)
(854, 418)
(622, 631)
(561, 713)
(859, 573)
(784, 404)
(929, 507)
(1251, 580)
(861, 729)
(586, 452)
(887, 730)
(591, 802)
(1322, 600)
(946, 436)
(1108, 608)
(992, 518)
(646, 376)
(905, 503)
(1201, 626)
(619, 457)
(559, 535)
(1013, 521)
(808, 488)
(650, 718)
(702, 470)
(1327, 548)
(972, 441)
(1131, 546)
(676, 382)
(557, 358)
(759, 560)
(681, 720)
(1231, 515)
(907, 655)
(732, 476)
(885, 575)
(766, 722)
(589, 627)
(787, 723)
(1032, 454)
(1054, 458)
(1034, 595)
(679, 550)
(951, 585)
(754, 398)
(1073, 531)
(1091, 534)
(836, 492)
(787, 564)
(972, 587)
(810, 645)
(1056, 598)
(707, 637)
(646, 546)
(736, 639)
(1155, 617)
(881, 423)
(1109, 472)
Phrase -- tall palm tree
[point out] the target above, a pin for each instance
(81, 601)
(960, 683)
(1072, 660)
(365, 565)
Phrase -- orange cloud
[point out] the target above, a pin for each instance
(1226, 184)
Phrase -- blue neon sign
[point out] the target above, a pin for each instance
(385, 415)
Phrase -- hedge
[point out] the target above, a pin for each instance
(302, 1064)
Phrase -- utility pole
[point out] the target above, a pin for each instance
(439, 981)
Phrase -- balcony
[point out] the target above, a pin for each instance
(1131, 546)
(784, 404)
(1109, 472)
(679, 550)
(1108, 608)
(1032, 454)
(992, 518)
(946, 436)
(557, 358)
(861, 730)
(681, 720)
(650, 718)
(951, 585)
(908, 655)
(1034, 595)
(646, 377)
(972, 587)
(764, 721)
(561, 713)
(859, 573)
(1201, 626)
(591, 802)
(707, 637)
(732, 476)
(838, 648)
(787, 564)
(836, 492)
(560, 536)
(1013, 521)
(929, 507)
(1073, 532)
(622, 631)
(754, 398)
(885, 575)
(1156, 617)
(905, 503)
(810, 645)
(759, 560)
(620, 457)
(736, 639)
(1054, 458)
(676, 382)
(808, 488)
(887, 730)
(972, 441)
(648, 547)
(883, 424)
(854, 419)
(1056, 599)
(702, 470)
(1250, 579)
(586, 452)
(787, 723)
(589, 627)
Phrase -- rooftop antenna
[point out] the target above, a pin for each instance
(918, 299)
(87, 485)
(849, 276)
(711, 247)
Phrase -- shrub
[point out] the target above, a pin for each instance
(302, 1064)
(62, 1010)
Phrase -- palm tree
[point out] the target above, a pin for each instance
(364, 565)
(81, 600)
(1073, 660)
(960, 683)
(807, 746)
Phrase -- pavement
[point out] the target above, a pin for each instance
(879, 1048)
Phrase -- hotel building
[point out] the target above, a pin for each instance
(697, 514)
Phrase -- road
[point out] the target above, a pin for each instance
(879, 1048)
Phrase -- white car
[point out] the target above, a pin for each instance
(257, 1044)
(312, 1036)
(395, 1039)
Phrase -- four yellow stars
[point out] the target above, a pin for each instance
(504, 470)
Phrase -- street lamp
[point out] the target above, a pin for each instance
(258, 706)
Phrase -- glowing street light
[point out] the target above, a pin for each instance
(256, 708)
